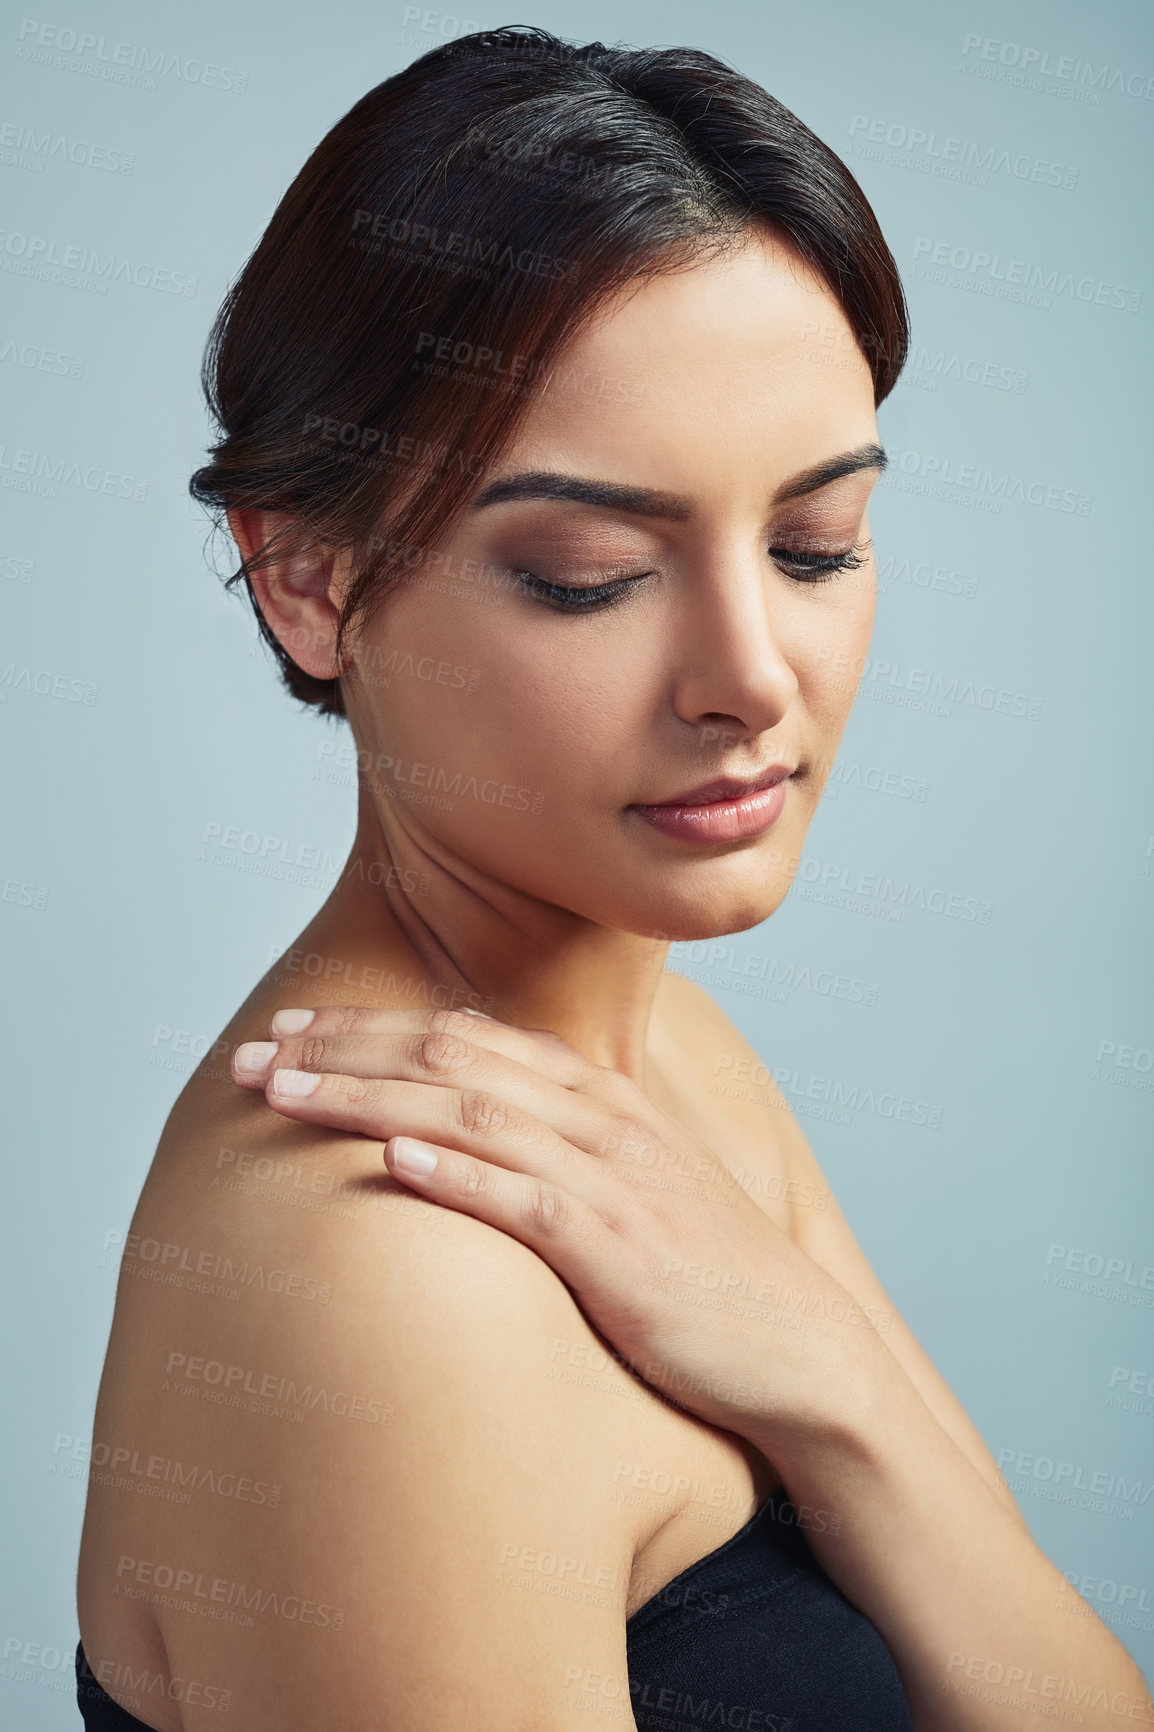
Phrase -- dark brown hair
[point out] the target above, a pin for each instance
(482, 203)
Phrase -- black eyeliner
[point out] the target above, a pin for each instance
(816, 567)
(570, 599)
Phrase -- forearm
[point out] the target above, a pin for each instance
(983, 1629)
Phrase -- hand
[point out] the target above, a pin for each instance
(689, 1279)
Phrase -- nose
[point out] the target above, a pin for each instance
(733, 680)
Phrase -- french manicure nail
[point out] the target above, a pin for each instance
(294, 1084)
(413, 1157)
(291, 1021)
(255, 1056)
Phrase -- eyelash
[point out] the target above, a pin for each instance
(820, 567)
(817, 568)
(568, 600)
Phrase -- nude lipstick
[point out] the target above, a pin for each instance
(726, 810)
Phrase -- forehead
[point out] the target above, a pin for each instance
(745, 353)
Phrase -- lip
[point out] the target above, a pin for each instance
(722, 788)
(728, 809)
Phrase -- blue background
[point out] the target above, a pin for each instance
(139, 710)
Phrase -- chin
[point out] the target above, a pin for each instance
(685, 920)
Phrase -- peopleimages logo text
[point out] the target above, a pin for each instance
(922, 148)
(994, 486)
(102, 57)
(1040, 63)
(41, 250)
(1048, 280)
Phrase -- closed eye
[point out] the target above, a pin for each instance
(589, 598)
(819, 567)
(568, 598)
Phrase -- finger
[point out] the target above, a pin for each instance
(566, 1232)
(540, 1046)
(469, 1120)
(444, 1061)
(437, 1061)
(420, 1055)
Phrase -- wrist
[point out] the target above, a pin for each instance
(846, 1397)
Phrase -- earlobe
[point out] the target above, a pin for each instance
(296, 590)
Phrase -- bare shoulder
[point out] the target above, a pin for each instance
(710, 1034)
(350, 1418)
(776, 1151)
(729, 1095)
(713, 1045)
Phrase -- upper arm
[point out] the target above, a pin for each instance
(442, 1548)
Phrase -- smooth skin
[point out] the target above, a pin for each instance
(497, 1404)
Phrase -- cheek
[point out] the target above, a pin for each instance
(829, 655)
(481, 689)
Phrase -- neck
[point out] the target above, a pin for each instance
(405, 907)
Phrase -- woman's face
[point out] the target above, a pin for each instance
(692, 427)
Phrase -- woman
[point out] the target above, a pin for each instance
(584, 1400)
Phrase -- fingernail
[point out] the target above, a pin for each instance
(255, 1056)
(469, 1011)
(291, 1021)
(413, 1157)
(293, 1084)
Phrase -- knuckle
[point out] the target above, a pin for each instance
(545, 1209)
(481, 1114)
(312, 1053)
(446, 1021)
(439, 1053)
(350, 1019)
(474, 1179)
(361, 1092)
(629, 1140)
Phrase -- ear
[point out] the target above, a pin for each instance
(299, 592)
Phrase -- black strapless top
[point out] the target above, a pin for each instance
(754, 1635)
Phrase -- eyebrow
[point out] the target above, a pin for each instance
(649, 502)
